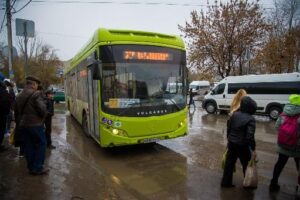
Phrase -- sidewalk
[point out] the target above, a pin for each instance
(69, 178)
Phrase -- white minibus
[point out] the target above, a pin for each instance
(270, 91)
(199, 87)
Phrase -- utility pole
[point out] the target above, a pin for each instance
(25, 46)
(9, 39)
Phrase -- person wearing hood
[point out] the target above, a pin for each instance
(291, 109)
(241, 141)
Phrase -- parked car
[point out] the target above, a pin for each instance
(59, 96)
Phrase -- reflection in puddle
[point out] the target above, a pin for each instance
(146, 171)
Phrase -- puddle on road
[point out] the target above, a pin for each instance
(143, 170)
(149, 171)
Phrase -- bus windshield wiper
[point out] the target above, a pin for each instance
(131, 105)
(175, 104)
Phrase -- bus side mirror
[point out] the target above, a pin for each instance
(97, 70)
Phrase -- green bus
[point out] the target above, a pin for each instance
(118, 87)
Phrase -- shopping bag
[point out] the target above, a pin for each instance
(224, 158)
(251, 179)
(11, 138)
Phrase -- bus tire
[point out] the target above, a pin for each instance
(274, 112)
(210, 108)
(85, 124)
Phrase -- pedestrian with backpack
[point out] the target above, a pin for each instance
(288, 126)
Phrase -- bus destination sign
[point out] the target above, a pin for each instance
(143, 55)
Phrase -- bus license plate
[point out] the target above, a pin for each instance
(149, 140)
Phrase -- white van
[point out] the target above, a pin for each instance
(270, 91)
(200, 87)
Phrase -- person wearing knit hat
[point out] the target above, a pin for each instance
(292, 109)
(294, 99)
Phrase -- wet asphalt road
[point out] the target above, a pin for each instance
(182, 168)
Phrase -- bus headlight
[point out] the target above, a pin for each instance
(118, 132)
(115, 131)
(180, 124)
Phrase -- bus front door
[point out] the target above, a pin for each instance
(93, 106)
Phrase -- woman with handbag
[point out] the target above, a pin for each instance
(240, 136)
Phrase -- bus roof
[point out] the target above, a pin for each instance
(284, 77)
(104, 36)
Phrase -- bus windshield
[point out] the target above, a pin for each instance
(142, 80)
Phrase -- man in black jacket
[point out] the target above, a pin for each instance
(4, 110)
(241, 141)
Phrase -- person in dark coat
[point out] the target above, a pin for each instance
(12, 98)
(241, 141)
(4, 110)
(191, 101)
(30, 110)
(48, 121)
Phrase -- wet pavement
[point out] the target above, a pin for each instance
(182, 168)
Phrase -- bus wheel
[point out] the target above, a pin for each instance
(274, 112)
(210, 108)
(85, 124)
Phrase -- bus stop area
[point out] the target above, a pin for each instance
(183, 168)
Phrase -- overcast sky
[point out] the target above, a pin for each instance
(68, 26)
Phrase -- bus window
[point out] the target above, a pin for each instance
(140, 82)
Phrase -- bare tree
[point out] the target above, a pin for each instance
(281, 53)
(289, 12)
(219, 39)
(42, 59)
